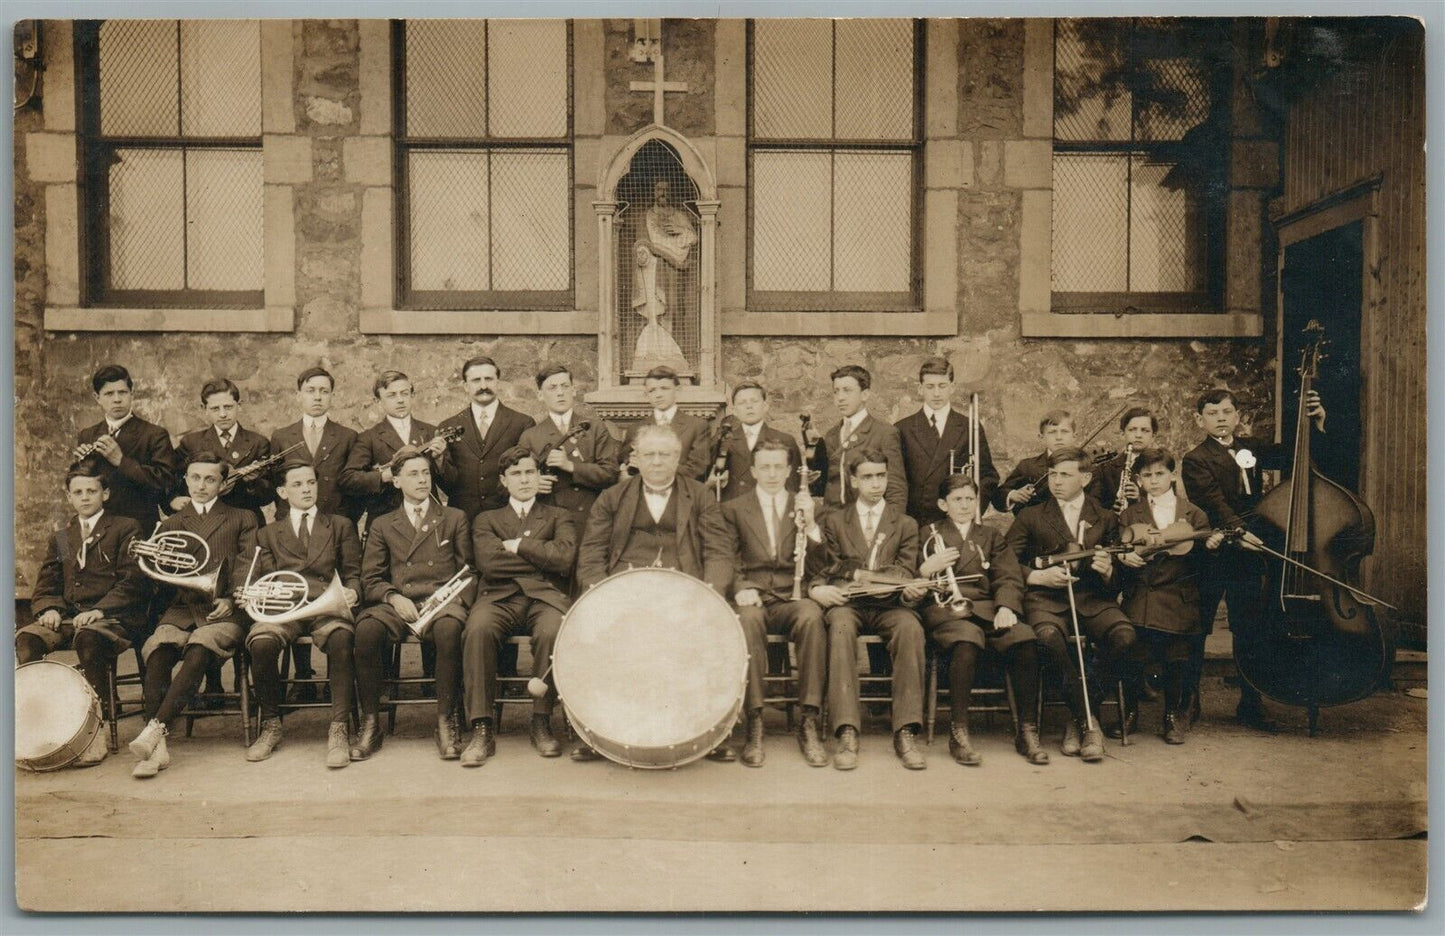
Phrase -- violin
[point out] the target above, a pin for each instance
(1176, 539)
(1315, 640)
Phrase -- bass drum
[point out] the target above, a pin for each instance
(57, 715)
(651, 665)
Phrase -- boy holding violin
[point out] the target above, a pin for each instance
(983, 615)
(1161, 586)
(1024, 486)
(1223, 475)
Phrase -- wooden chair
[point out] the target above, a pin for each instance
(236, 702)
(113, 707)
(1002, 695)
(511, 685)
(394, 685)
(780, 679)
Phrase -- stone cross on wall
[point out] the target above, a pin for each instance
(653, 52)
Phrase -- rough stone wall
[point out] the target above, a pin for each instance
(1017, 378)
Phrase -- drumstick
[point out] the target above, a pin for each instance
(537, 685)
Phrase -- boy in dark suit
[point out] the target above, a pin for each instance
(1161, 593)
(760, 533)
(319, 547)
(470, 473)
(992, 623)
(89, 594)
(867, 537)
(197, 628)
(931, 435)
(1138, 426)
(1069, 520)
(748, 430)
(661, 385)
(572, 474)
(367, 475)
(1223, 476)
(525, 551)
(327, 447)
(141, 465)
(410, 553)
(858, 431)
(239, 446)
(1022, 488)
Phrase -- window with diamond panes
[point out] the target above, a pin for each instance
(1139, 165)
(171, 163)
(484, 164)
(834, 157)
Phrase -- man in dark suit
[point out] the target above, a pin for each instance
(654, 519)
(1071, 520)
(760, 533)
(368, 471)
(409, 555)
(199, 627)
(930, 436)
(867, 540)
(661, 385)
(525, 551)
(743, 431)
(989, 622)
(1024, 486)
(89, 594)
(1223, 476)
(857, 432)
(469, 474)
(572, 474)
(142, 464)
(237, 445)
(318, 547)
(326, 444)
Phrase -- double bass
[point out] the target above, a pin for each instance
(1316, 641)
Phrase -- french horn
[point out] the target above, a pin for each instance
(176, 557)
(280, 597)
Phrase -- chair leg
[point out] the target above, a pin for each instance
(1123, 715)
(112, 714)
(497, 717)
(393, 689)
(930, 694)
(1013, 709)
(243, 677)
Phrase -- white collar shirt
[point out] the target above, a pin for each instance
(1164, 508)
(665, 417)
(522, 508)
(315, 424)
(851, 424)
(490, 409)
(752, 434)
(937, 418)
(402, 427)
(87, 527)
(113, 426)
(656, 500)
(1072, 511)
(563, 421)
(296, 516)
(774, 507)
(416, 513)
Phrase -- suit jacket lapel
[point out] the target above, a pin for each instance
(1093, 516)
(205, 525)
(627, 506)
(684, 513)
(330, 436)
(752, 514)
(1055, 512)
(416, 535)
(320, 538)
(853, 529)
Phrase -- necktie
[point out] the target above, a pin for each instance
(226, 439)
(522, 513)
(312, 434)
(938, 423)
(84, 542)
(870, 525)
(484, 422)
(417, 513)
(777, 526)
(305, 532)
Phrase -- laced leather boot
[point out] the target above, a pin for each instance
(905, 746)
(267, 740)
(368, 739)
(448, 737)
(338, 745)
(1028, 744)
(810, 741)
(1173, 728)
(753, 749)
(481, 747)
(542, 738)
(1071, 742)
(847, 756)
(959, 747)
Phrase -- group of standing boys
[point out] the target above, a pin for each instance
(542, 510)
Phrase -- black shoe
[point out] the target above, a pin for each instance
(753, 749)
(810, 742)
(1173, 730)
(1027, 743)
(723, 754)
(542, 739)
(368, 739)
(583, 754)
(481, 747)
(1253, 716)
(959, 747)
(905, 746)
(448, 737)
(847, 756)
(1116, 730)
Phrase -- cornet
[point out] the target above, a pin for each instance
(946, 582)
(280, 597)
(439, 599)
(176, 557)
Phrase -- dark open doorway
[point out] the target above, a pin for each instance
(1323, 280)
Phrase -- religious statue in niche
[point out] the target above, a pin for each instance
(662, 254)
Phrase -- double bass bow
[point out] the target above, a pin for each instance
(1316, 640)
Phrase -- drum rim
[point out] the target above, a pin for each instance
(70, 750)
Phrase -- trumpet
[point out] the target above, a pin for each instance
(280, 597)
(439, 599)
(948, 592)
(176, 557)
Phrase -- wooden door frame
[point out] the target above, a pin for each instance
(1359, 202)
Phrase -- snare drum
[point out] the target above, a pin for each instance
(651, 666)
(57, 715)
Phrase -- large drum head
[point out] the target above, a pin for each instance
(651, 663)
(54, 706)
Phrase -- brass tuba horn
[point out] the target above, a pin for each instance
(279, 597)
(176, 557)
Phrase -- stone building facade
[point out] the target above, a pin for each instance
(984, 206)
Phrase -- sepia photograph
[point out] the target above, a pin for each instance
(811, 463)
